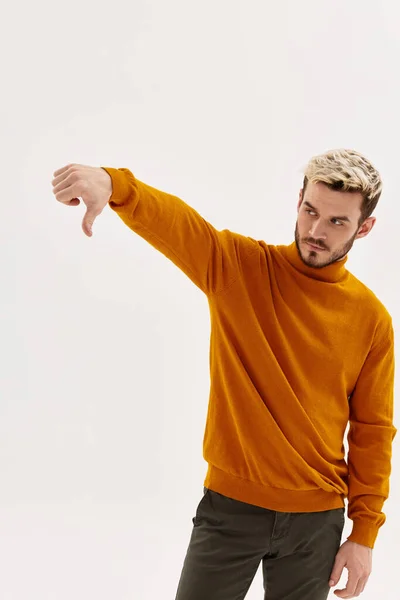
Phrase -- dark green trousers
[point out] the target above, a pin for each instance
(230, 539)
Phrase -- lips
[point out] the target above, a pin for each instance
(315, 247)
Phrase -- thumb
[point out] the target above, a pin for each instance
(88, 221)
(336, 573)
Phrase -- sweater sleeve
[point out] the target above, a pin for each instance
(211, 259)
(370, 439)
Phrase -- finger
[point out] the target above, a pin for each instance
(350, 588)
(72, 202)
(361, 586)
(336, 573)
(68, 193)
(357, 591)
(64, 180)
(62, 170)
(87, 223)
(87, 228)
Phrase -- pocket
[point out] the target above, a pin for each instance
(339, 517)
(196, 517)
(205, 510)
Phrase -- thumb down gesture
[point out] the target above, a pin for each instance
(92, 184)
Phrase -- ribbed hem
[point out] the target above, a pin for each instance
(363, 533)
(123, 184)
(278, 499)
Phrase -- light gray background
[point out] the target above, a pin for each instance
(104, 342)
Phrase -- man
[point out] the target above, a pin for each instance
(299, 347)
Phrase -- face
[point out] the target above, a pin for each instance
(329, 220)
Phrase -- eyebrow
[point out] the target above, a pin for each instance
(339, 218)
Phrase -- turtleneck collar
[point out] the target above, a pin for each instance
(332, 273)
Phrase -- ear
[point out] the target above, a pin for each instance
(300, 199)
(366, 227)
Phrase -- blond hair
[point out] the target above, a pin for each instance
(346, 171)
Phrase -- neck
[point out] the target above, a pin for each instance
(332, 273)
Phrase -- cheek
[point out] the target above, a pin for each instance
(301, 222)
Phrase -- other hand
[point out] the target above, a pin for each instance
(358, 561)
(92, 184)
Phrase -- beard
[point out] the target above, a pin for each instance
(324, 259)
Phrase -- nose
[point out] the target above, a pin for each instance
(316, 232)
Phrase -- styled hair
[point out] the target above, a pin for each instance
(346, 171)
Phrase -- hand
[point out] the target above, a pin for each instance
(358, 561)
(92, 184)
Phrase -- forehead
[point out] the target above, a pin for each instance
(333, 203)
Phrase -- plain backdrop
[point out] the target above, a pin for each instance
(104, 342)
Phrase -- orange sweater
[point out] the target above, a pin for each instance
(296, 353)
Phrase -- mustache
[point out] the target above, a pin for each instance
(314, 244)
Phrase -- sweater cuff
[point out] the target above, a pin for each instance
(123, 182)
(364, 533)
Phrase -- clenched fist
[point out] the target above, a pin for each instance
(92, 184)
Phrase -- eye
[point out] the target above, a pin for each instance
(340, 223)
